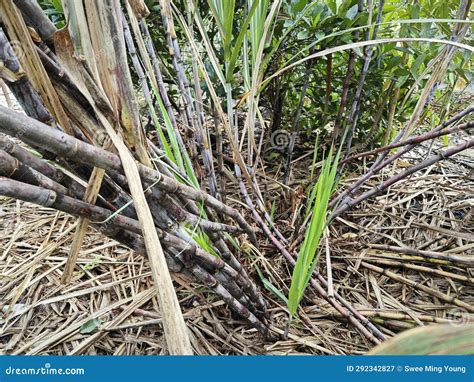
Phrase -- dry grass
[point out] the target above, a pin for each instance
(433, 210)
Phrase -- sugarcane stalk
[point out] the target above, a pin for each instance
(458, 259)
(296, 119)
(246, 282)
(347, 81)
(39, 165)
(414, 140)
(30, 62)
(205, 139)
(37, 19)
(161, 84)
(393, 106)
(373, 133)
(183, 83)
(355, 108)
(35, 133)
(402, 175)
(105, 220)
(24, 92)
(136, 62)
(242, 278)
(13, 168)
(115, 198)
(379, 164)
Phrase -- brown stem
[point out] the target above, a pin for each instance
(35, 133)
(414, 140)
(380, 163)
(396, 178)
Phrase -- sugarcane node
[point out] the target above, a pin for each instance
(9, 166)
(49, 199)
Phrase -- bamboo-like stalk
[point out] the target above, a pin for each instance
(208, 156)
(190, 111)
(379, 164)
(115, 198)
(90, 106)
(239, 274)
(355, 108)
(30, 62)
(402, 175)
(136, 62)
(13, 168)
(19, 85)
(37, 19)
(160, 82)
(347, 81)
(35, 133)
(374, 130)
(468, 260)
(414, 140)
(223, 273)
(296, 119)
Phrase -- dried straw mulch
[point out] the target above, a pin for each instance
(109, 307)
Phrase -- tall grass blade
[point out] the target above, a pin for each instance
(308, 257)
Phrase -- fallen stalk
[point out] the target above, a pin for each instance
(396, 178)
(430, 254)
(391, 315)
(416, 285)
(414, 140)
(35, 133)
(223, 274)
(380, 163)
(420, 268)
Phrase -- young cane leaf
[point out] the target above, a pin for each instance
(308, 255)
(240, 40)
(270, 287)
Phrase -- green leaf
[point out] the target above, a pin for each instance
(307, 258)
(271, 288)
(416, 65)
(299, 5)
(90, 326)
(352, 12)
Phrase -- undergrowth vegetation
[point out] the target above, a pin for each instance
(219, 102)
